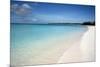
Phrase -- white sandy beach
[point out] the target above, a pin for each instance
(83, 51)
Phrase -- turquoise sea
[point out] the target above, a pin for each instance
(27, 40)
(24, 33)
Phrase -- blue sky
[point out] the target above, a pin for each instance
(38, 12)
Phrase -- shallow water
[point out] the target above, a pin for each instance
(26, 33)
(26, 38)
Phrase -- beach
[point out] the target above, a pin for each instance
(58, 45)
(83, 51)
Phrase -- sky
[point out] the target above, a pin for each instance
(39, 12)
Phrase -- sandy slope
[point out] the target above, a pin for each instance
(81, 51)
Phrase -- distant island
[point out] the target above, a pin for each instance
(84, 23)
(89, 23)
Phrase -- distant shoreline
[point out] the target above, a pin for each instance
(56, 24)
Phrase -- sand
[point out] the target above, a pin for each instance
(83, 51)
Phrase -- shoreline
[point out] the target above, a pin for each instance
(88, 45)
(82, 50)
(56, 50)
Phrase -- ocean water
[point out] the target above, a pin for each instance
(23, 33)
(29, 41)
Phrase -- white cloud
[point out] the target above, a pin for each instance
(23, 9)
(26, 6)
